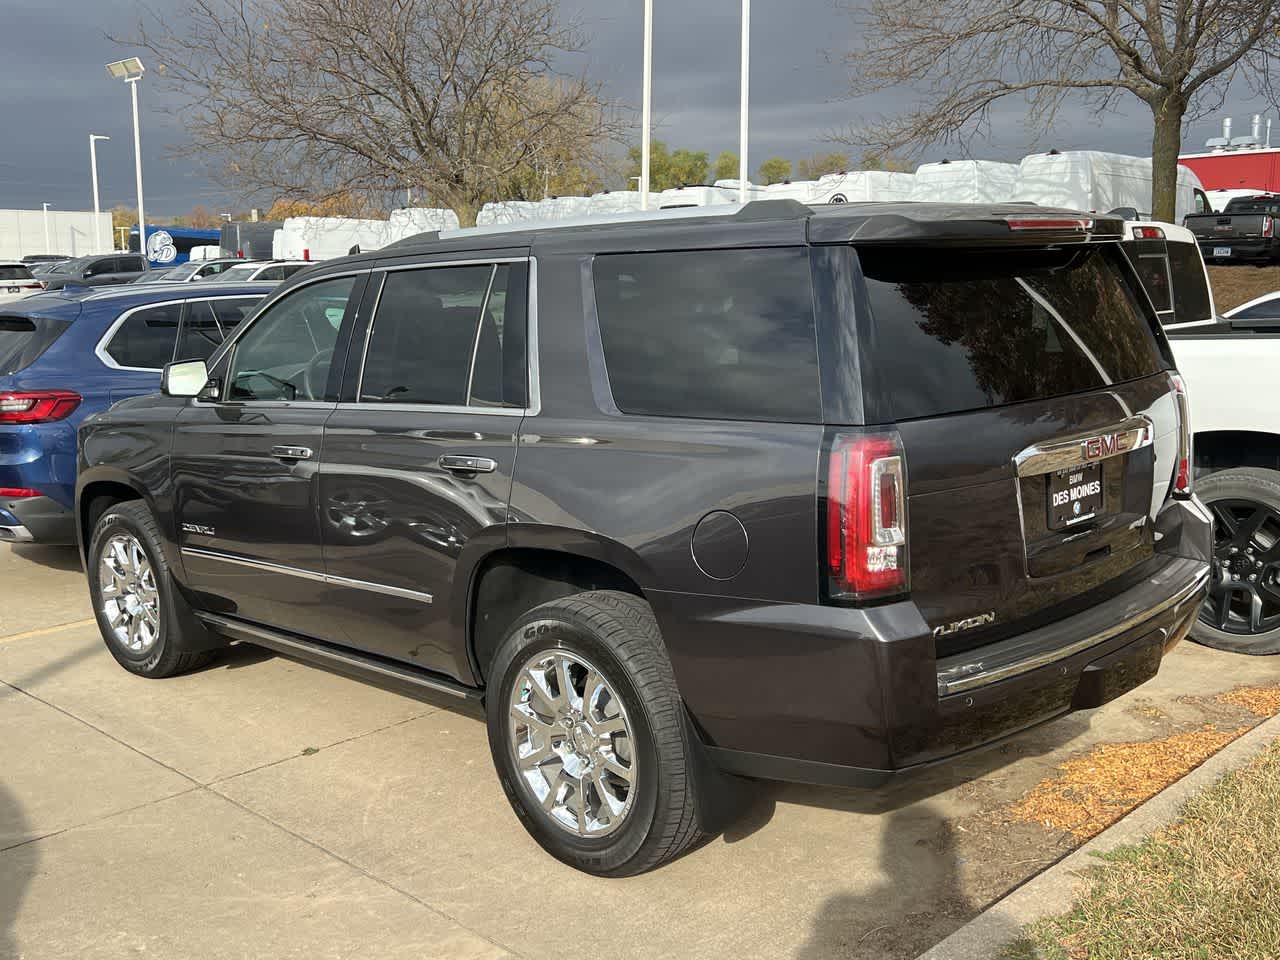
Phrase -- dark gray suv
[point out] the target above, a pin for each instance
(805, 494)
(97, 271)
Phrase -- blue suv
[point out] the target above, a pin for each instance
(67, 355)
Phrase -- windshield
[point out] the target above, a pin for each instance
(183, 272)
(244, 272)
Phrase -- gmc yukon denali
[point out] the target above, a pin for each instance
(818, 494)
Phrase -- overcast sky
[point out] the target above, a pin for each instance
(54, 92)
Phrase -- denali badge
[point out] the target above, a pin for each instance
(197, 528)
(968, 623)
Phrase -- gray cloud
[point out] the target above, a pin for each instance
(54, 92)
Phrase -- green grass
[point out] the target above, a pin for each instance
(1204, 888)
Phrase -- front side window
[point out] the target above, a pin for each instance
(452, 336)
(287, 353)
(100, 267)
(722, 334)
(146, 339)
(130, 265)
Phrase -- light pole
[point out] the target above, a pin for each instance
(46, 228)
(746, 84)
(130, 71)
(93, 169)
(645, 97)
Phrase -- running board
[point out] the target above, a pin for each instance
(361, 666)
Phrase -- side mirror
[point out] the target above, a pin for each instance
(186, 378)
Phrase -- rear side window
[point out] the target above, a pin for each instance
(14, 273)
(147, 338)
(722, 334)
(1151, 262)
(1190, 286)
(23, 339)
(966, 329)
(451, 336)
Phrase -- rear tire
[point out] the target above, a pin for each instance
(144, 620)
(1240, 615)
(587, 735)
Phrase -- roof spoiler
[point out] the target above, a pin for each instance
(1010, 226)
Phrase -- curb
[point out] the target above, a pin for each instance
(1054, 890)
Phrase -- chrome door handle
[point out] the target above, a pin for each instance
(468, 464)
(291, 453)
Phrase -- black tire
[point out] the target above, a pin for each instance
(171, 652)
(617, 633)
(1219, 492)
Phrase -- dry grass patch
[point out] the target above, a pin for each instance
(1260, 701)
(1094, 791)
(1204, 888)
(1233, 286)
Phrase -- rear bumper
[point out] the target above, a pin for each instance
(855, 697)
(36, 519)
(1257, 249)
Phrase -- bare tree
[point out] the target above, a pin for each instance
(964, 56)
(316, 99)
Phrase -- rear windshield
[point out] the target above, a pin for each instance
(22, 340)
(721, 334)
(1269, 205)
(15, 273)
(965, 329)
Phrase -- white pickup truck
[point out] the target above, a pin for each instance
(1226, 365)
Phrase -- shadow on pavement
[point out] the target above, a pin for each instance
(56, 558)
(47, 670)
(17, 867)
(909, 788)
(916, 900)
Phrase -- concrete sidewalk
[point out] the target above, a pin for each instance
(262, 808)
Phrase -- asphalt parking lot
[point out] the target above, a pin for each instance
(264, 808)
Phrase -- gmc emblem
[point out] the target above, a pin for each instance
(1095, 448)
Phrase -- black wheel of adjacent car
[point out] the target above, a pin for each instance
(139, 610)
(586, 734)
(1242, 613)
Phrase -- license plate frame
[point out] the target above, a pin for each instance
(1222, 251)
(14, 290)
(1074, 495)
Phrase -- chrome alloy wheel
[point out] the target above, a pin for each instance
(130, 600)
(572, 744)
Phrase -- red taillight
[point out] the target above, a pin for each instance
(1148, 233)
(37, 406)
(1268, 226)
(866, 517)
(1083, 224)
(18, 493)
(1182, 470)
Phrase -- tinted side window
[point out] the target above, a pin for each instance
(725, 334)
(99, 267)
(448, 335)
(146, 339)
(1190, 288)
(208, 323)
(287, 353)
(130, 265)
(15, 273)
(271, 273)
(975, 329)
(1151, 262)
(1259, 311)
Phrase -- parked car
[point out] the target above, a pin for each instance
(1245, 230)
(817, 495)
(17, 281)
(96, 271)
(264, 270)
(1263, 308)
(194, 270)
(67, 355)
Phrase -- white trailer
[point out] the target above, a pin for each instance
(323, 238)
(1096, 181)
(860, 186)
(73, 233)
(965, 181)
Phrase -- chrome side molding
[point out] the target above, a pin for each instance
(315, 575)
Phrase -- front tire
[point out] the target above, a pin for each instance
(1242, 613)
(144, 621)
(585, 727)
